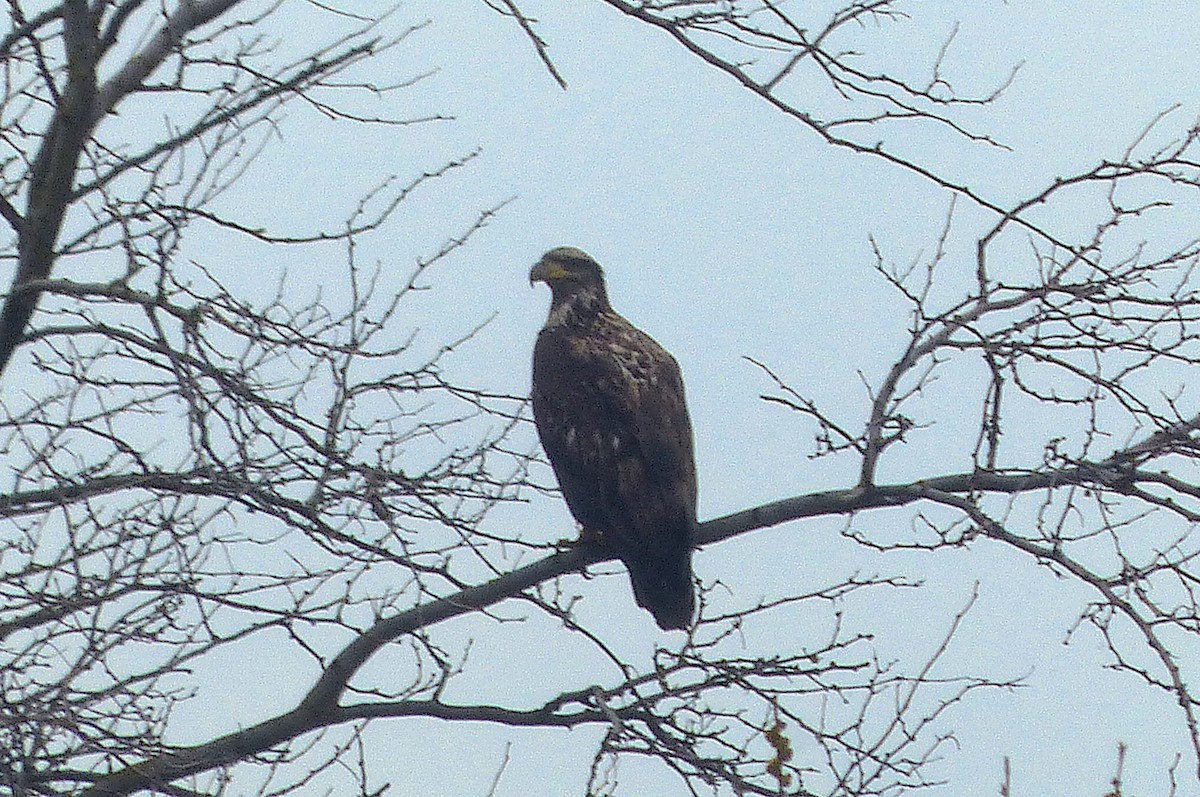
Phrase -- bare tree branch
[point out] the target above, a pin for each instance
(195, 470)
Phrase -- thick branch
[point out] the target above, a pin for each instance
(187, 17)
(53, 174)
(320, 707)
(544, 717)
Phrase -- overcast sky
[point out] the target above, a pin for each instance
(728, 230)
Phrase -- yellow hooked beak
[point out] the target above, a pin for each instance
(545, 272)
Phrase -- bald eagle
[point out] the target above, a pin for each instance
(609, 407)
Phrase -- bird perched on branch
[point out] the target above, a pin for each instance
(609, 406)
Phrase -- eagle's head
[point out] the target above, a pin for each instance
(576, 281)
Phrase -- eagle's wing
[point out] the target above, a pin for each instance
(650, 384)
(611, 412)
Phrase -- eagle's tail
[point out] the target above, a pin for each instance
(662, 584)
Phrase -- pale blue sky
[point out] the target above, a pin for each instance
(728, 230)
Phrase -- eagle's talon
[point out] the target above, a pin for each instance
(585, 538)
(588, 536)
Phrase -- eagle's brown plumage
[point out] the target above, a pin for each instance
(609, 406)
